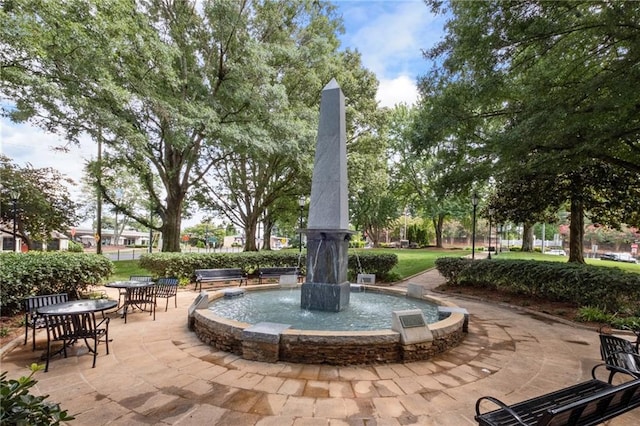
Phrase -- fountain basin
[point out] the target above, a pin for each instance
(322, 346)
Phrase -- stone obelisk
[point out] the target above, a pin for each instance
(326, 287)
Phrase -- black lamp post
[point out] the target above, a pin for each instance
(490, 214)
(301, 201)
(474, 201)
(14, 198)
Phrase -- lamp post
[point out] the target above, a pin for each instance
(474, 201)
(14, 198)
(490, 214)
(301, 201)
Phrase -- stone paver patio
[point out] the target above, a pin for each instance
(158, 372)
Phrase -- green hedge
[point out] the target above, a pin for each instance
(38, 273)
(610, 289)
(183, 265)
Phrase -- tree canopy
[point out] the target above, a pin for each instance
(171, 89)
(537, 90)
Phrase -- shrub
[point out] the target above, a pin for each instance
(75, 247)
(183, 265)
(610, 289)
(19, 407)
(38, 273)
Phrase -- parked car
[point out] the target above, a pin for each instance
(556, 252)
(619, 257)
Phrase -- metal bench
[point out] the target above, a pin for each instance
(619, 352)
(274, 273)
(587, 403)
(31, 317)
(219, 275)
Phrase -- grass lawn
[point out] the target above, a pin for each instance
(410, 262)
(629, 267)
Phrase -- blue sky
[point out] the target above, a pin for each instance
(389, 34)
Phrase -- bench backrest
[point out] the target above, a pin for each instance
(596, 408)
(34, 302)
(618, 352)
(218, 273)
(284, 270)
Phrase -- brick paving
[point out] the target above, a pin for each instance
(159, 373)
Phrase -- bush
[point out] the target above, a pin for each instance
(19, 407)
(38, 273)
(75, 247)
(183, 265)
(610, 289)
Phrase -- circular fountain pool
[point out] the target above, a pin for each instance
(235, 325)
(366, 310)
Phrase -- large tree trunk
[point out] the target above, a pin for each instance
(527, 237)
(250, 234)
(576, 231)
(171, 228)
(438, 227)
(266, 235)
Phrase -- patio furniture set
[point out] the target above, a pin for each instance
(70, 321)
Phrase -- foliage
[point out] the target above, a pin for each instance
(171, 89)
(19, 407)
(183, 265)
(75, 247)
(529, 92)
(610, 289)
(39, 273)
(43, 206)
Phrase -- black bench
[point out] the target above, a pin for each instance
(219, 275)
(32, 319)
(587, 403)
(620, 353)
(272, 273)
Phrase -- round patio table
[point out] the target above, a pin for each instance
(78, 307)
(134, 296)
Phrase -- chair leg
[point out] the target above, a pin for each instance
(33, 337)
(175, 300)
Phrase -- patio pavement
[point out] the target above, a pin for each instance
(159, 373)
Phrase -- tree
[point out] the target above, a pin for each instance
(44, 204)
(546, 88)
(168, 88)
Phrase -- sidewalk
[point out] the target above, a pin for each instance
(159, 373)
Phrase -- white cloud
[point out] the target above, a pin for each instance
(396, 91)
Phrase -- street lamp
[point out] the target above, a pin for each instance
(490, 214)
(474, 201)
(301, 202)
(14, 194)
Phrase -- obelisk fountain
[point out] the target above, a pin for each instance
(326, 287)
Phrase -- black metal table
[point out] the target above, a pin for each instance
(71, 321)
(139, 295)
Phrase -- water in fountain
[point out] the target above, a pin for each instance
(366, 310)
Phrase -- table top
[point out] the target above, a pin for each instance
(129, 284)
(78, 306)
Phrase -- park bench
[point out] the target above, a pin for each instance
(32, 319)
(587, 403)
(219, 275)
(275, 273)
(620, 353)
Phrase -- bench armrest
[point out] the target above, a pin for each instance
(500, 404)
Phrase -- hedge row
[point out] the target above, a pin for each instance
(183, 265)
(37, 273)
(610, 289)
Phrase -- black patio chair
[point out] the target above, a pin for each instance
(167, 288)
(143, 298)
(70, 328)
(141, 278)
